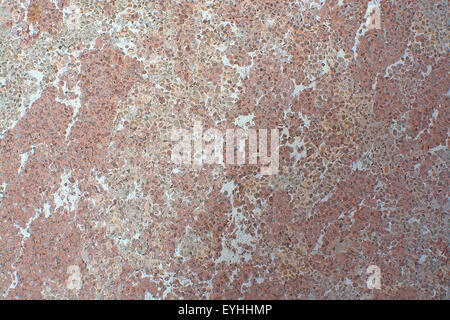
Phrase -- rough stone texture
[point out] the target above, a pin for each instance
(91, 206)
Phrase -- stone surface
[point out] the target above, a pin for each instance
(92, 207)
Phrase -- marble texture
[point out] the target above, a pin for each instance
(92, 207)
